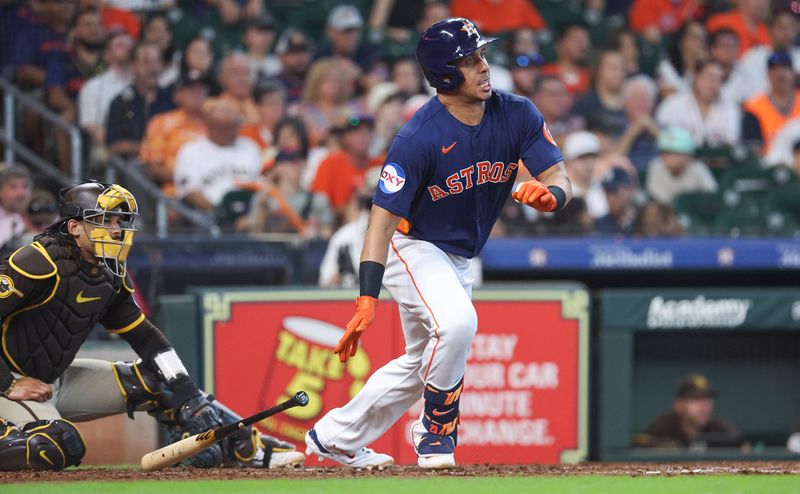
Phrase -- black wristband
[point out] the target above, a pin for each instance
(370, 278)
(559, 194)
(183, 388)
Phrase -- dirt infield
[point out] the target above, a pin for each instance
(627, 469)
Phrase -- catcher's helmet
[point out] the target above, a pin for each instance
(96, 203)
(442, 44)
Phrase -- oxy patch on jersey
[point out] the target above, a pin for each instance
(393, 178)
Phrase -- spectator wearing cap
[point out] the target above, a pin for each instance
(767, 112)
(207, 168)
(747, 20)
(601, 106)
(281, 205)
(620, 191)
(581, 150)
(524, 70)
(135, 105)
(258, 37)
(95, 97)
(15, 194)
(638, 142)
(551, 97)
(572, 49)
(675, 171)
(343, 37)
(691, 423)
(42, 211)
(236, 81)
(341, 171)
(702, 111)
(294, 51)
(750, 75)
(167, 132)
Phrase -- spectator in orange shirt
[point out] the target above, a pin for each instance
(513, 14)
(572, 49)
(747, 20)
(655, 18)
(339, 174)
(113, 18)
(168, 131)
(236, 81)
(767, 112)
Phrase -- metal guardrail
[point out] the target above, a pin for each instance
(131, 170)
(13, 96)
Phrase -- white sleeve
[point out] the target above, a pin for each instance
(89, 105)
(185, 180)
(328, 267)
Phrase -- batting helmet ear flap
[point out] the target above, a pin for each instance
(442, 44)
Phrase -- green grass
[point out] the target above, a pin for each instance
(723, 484)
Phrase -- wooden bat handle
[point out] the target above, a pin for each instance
(190, 446)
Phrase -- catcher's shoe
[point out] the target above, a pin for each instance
(433, 451)
(286, 459)
(362, 458)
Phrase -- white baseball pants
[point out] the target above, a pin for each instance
(433, 290)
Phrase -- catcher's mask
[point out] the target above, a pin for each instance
(103, 208)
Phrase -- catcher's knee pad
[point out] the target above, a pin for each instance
(441, 410)
(41, 445)
(139, 386)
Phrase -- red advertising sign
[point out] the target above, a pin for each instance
(525, 384)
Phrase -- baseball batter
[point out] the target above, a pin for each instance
(447, 176)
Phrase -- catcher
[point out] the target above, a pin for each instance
(52, 293)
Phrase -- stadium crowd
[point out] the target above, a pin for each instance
(674, 116)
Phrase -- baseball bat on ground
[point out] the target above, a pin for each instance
(190, 446)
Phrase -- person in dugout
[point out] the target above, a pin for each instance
(52, 294)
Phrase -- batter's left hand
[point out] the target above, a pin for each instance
(365, 313)
(535, 194)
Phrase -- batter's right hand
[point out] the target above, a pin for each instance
(365, 313)
(30, 388)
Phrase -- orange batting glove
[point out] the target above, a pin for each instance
(535, 194)
(365, 313)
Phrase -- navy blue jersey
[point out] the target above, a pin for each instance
(450, 180)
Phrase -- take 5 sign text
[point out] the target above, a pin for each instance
(526, 389)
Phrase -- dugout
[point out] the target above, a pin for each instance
(746, 341)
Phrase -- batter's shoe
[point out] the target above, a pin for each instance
(433, 451)
(362, 458)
